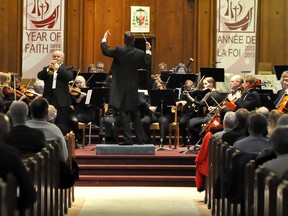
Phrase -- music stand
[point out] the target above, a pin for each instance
(178, 80)
(162, 98)
(164, 75)
(94, 79)
(216, 73)
(279, 69)
(98, 96)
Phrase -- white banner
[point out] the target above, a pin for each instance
(236, 35)
(43, 33)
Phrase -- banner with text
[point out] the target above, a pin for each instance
(236, 35)
(43, 33)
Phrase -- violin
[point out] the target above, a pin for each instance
(75, 91)
(9, 92)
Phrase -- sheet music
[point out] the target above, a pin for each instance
(144, 91)
(88, 96)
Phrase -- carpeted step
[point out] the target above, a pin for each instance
(112, 180)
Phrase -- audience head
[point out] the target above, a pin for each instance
(257, 124)
(18, 112)
(39, 108)
(241, 116)
(38, 86)
(235, 82)
(274, 115)
(229, 120)
(283, 120)
(4, 125)
(279, 139)
(100, 67)
(92, 68)
(129, 39)
(264, 111)
(52, 114)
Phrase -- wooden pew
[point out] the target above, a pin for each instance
(249, 188)
(282, 198)
(270, 194)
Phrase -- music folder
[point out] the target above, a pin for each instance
(178, 80)
(279, 69)
(216, 73)
(161, 98)
(97, 96)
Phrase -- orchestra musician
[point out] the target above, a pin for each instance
(211, 102)
(249, 98)
(282, 94)
(236, 82)
(187, 111)
(155, 114)
(56, 77)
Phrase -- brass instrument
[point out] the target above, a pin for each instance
(53, 66)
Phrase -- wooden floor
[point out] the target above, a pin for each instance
(165, 168)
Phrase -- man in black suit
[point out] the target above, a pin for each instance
(124, 86)
(56, 77)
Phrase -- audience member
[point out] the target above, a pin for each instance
(239, 130)
(39, 112)
(264, 111)
(27, 140)
(278, 140)
(274, 115)
(228, 124)
(10, 162)
(283, 120)
(255, 142)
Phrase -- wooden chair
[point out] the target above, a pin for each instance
(82, 127)
(173, 127)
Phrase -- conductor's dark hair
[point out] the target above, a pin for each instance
(129, 38)
(39, 108)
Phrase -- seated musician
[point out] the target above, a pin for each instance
(249, 98)
(155, 116)
(236, 82)
(281, 100)
(211, 102)
(187, 111)
(84, 112)
(91, 68)
(180, 69)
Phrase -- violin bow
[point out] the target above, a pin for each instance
(89, 79)
(73, 83)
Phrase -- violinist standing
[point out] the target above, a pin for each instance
(210, 101)
(281, 100)
(56, 77)
(124, 85)
(250, 98)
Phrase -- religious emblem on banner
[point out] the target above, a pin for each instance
(140, 19)
(238, 16)
(44, 14)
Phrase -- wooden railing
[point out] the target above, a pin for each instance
(44, 171)
(264, 192)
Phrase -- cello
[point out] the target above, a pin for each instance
(282, 104)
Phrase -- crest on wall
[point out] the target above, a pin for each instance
(140, 19)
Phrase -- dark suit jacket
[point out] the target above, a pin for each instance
(124, 70)
(249, 100)
(27, 140)
(61, 93)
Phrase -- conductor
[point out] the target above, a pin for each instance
(124, 86)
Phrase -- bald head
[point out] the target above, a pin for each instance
(4, 125)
